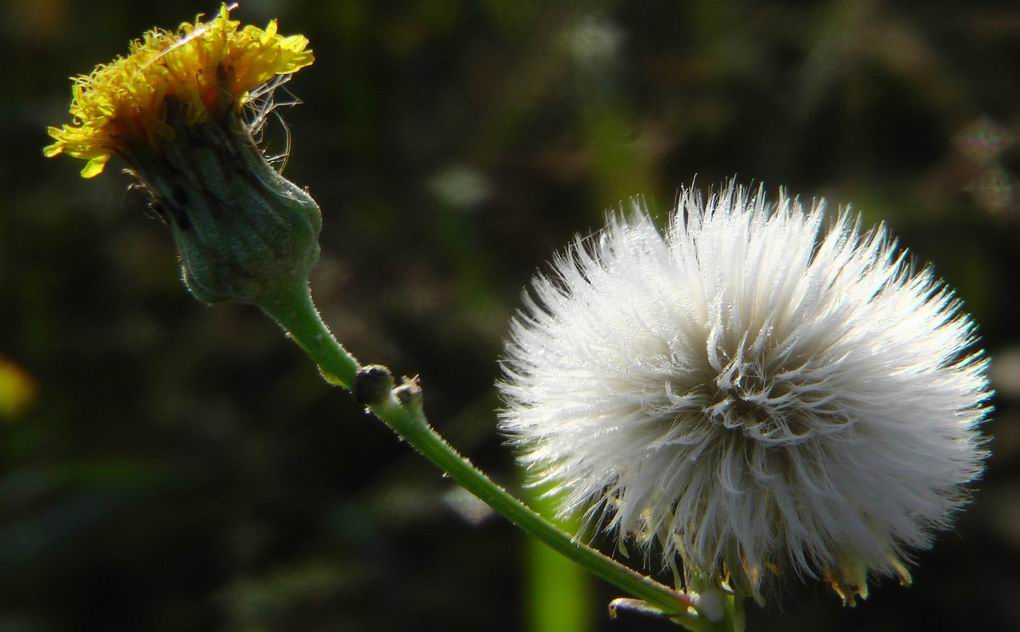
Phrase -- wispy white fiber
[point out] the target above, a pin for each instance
(763, 387)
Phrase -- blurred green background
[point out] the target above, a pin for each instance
(170, 466)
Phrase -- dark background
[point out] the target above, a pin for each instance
(170, 466)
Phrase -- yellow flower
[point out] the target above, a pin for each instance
(210, 69)
(174, 110)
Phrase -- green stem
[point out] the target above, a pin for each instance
(410, 423)
(296, 313)
(726, 605)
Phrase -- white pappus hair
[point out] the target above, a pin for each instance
(752, 391)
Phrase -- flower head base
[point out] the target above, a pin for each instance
(173, 110)
(208, 68)
(752, 391)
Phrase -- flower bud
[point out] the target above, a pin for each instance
(372, 384)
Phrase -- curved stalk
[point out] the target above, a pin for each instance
(295, 312)
(401, 410)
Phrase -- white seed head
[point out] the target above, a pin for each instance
(756, 390)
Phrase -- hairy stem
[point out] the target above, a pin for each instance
(295, 312)
(401, 410)
(409, 422)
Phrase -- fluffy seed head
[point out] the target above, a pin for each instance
(757, 389)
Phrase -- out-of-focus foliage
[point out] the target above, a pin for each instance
(182, 468)
(17, 390)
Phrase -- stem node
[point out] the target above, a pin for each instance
(372, 384)
(409, 394)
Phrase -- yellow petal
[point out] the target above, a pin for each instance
(95, 166)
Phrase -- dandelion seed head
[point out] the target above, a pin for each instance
(760, 388)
